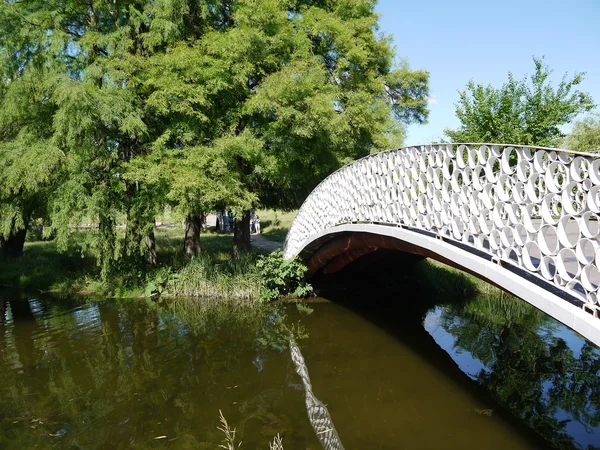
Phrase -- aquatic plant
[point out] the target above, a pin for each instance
(229, 440)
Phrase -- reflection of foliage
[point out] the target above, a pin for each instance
(108, 373)
(535, 374)
(279, 331)
(208, 316)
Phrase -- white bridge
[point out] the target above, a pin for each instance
(523, 218)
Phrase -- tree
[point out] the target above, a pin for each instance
(322, 92)
(526, 112)
(194, 103)
(585, 136)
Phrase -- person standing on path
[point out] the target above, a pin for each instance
(257, 224)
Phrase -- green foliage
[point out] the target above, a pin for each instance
(585, 136)
(521, 111)
(282, 277)
(114, 109)
(159, 281)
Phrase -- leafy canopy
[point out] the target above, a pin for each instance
(526, 112)
(585, 136)
(119, 107)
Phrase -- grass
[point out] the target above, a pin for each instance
(213, 273)
(276, 224)
(42, 267)
(209, 276)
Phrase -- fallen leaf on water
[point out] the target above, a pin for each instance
(486, 412)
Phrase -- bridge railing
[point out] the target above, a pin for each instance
(535, 208)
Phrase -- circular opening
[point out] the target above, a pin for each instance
(567, 265)
(589, 225)
(579, 168)
(524, 170)
(495, 239)
(549, 207)
(577, 290)
(511, 254)
(593, 199)
(586, 251)
(509, 160)
(590, 277)
(548, 267)
(520, 233)
(574, 198)
(532, 256)
(458, 228)
(556, 177)
(484, 154)
(594, 171)
(568, 231)
(536, 188)
(547, 239)
(507, 236)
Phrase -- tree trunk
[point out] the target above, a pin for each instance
(241, 235)
(193, 226)
(13, 245)
(107, 241)
(151, 246)
(2, 246)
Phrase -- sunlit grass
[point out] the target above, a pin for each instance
(276, 224)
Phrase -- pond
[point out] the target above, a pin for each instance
(489, 373)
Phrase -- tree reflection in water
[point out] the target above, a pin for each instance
(530, 368)
(541, 371)
(109, 374)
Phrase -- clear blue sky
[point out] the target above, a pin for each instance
(483, 40)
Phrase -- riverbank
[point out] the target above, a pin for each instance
(43, 268)
(212, 274)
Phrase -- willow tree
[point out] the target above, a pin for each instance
(194, 103)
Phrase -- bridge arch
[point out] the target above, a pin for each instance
(524, 218)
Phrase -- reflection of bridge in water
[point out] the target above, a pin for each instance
(523, 218)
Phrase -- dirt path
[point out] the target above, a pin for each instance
(263, 244)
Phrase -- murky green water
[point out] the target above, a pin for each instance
(141, 374)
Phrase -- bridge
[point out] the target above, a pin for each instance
(520, 217)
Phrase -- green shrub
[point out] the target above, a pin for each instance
(282, 277)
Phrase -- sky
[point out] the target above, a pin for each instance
(483, 40)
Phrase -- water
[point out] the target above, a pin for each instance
(142, 374)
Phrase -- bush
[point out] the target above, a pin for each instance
(282, 277)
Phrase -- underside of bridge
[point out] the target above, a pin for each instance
(363, 253)
(357, 250)
(526, 219)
